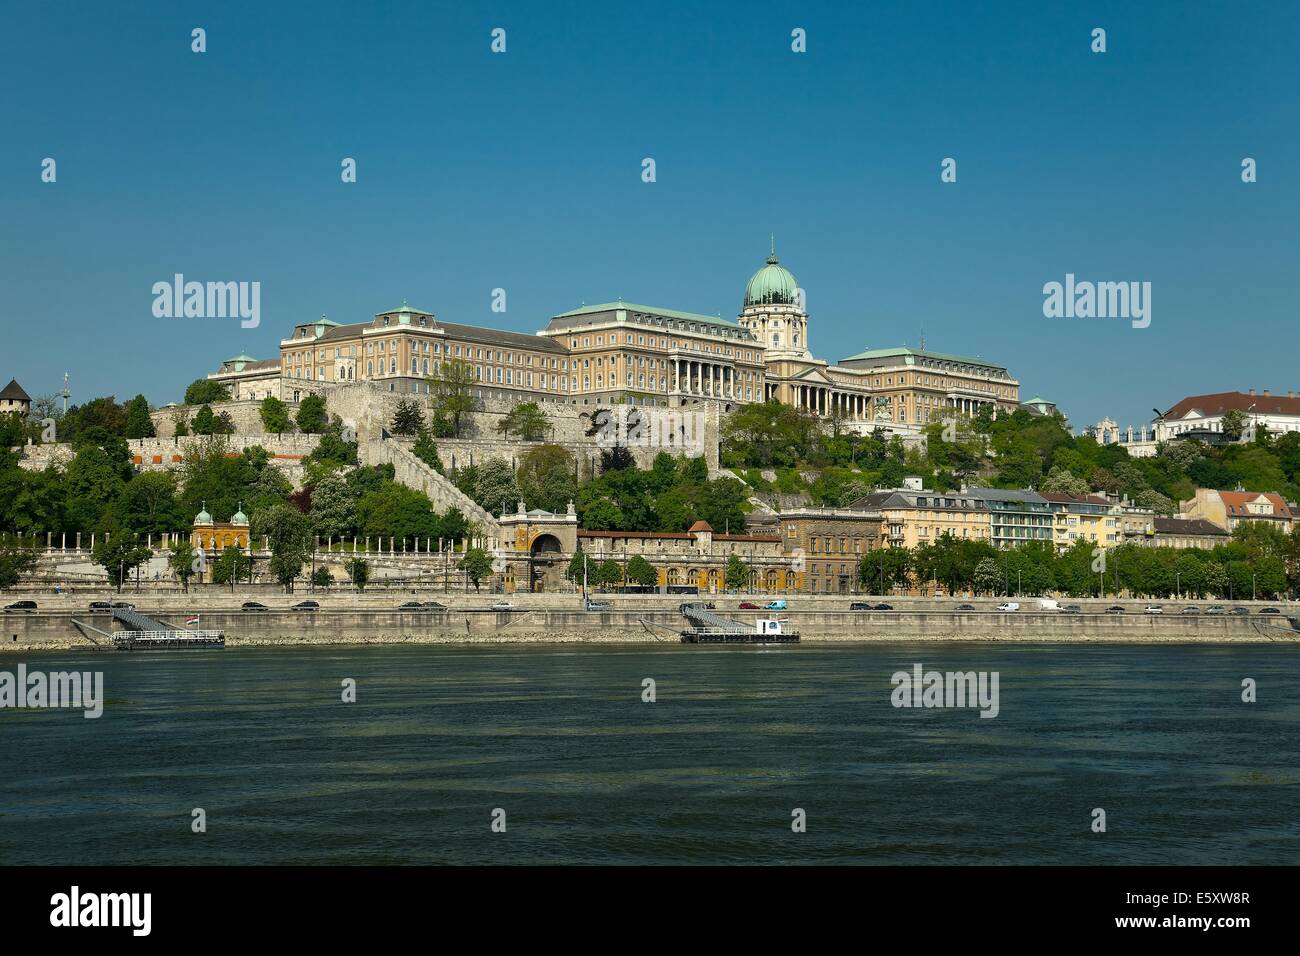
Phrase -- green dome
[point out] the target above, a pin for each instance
(240, 517)
(771, 285)
(203, 517)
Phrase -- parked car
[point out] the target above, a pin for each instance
(965, 607)
(434, 606)
(20, 606)
(1153, 609)
(1114, 609)
(777, 605)
(1191, 610)
(748, 606)
(502, 606)
(1216, 609)
(255, 606)
(410, 606)
(1009, 606)
(1240, 610)
(100, 605)
(856, 606)
(307, 606)
(884, 607)
(599, 606)
(1269, 610)
(124, 605)
(1070, 609)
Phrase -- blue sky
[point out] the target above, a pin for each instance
(522, 171)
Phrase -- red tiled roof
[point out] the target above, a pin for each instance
(1235, 502)
(1220, 402)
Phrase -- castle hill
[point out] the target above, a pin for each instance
(406, 478)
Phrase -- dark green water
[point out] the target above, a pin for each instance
(588, 773)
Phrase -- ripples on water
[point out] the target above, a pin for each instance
(559, 738)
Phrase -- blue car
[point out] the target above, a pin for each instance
(775, 605)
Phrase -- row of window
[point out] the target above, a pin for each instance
(629, 339)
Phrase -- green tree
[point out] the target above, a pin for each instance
(288, 531)
(312, 417)
(148, 504)
(1062, 482)
(988, 576)
(138, 423)
(527, 420)
(231, 567)
(321, 577)
(275, 415)
(767, 434)
(203, 391)
(333, 508)
(119, 555)
(452, 389)
(546, 478)
(640, 571)
(608, 573)
(884, 569)
(496, 489)
(358, 570)
(17, 558)
(1234, 424)
(737, 576)
(205, 423)
(579, 566)
(94, 480)
(408, 419)
(476, 564)
(396, 511)
(182, 562)
(426, 450)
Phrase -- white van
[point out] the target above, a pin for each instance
(1009, 606)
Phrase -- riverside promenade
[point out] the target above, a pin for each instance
(562, 618)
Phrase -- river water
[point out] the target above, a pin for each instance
(560, 739)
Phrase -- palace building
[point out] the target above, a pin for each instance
(622, 352)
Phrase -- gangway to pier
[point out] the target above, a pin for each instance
(141, 631)
(709, 628)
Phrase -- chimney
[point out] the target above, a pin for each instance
(1251, 392)
(1266, 393)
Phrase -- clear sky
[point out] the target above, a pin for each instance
(523, 171)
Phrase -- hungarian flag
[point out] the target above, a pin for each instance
(191, 620)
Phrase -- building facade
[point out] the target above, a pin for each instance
(213, 537)
(1230, 509)
(538, 545)
(622, 352)
(1086, 518)
(1201, 416)
(1185, 533)
(826, 545)
(913, 516)
(1016, 517)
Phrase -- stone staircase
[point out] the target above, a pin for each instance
(410, 470)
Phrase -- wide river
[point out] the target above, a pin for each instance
(560, 739)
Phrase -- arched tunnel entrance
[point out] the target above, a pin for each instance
(546, 565)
